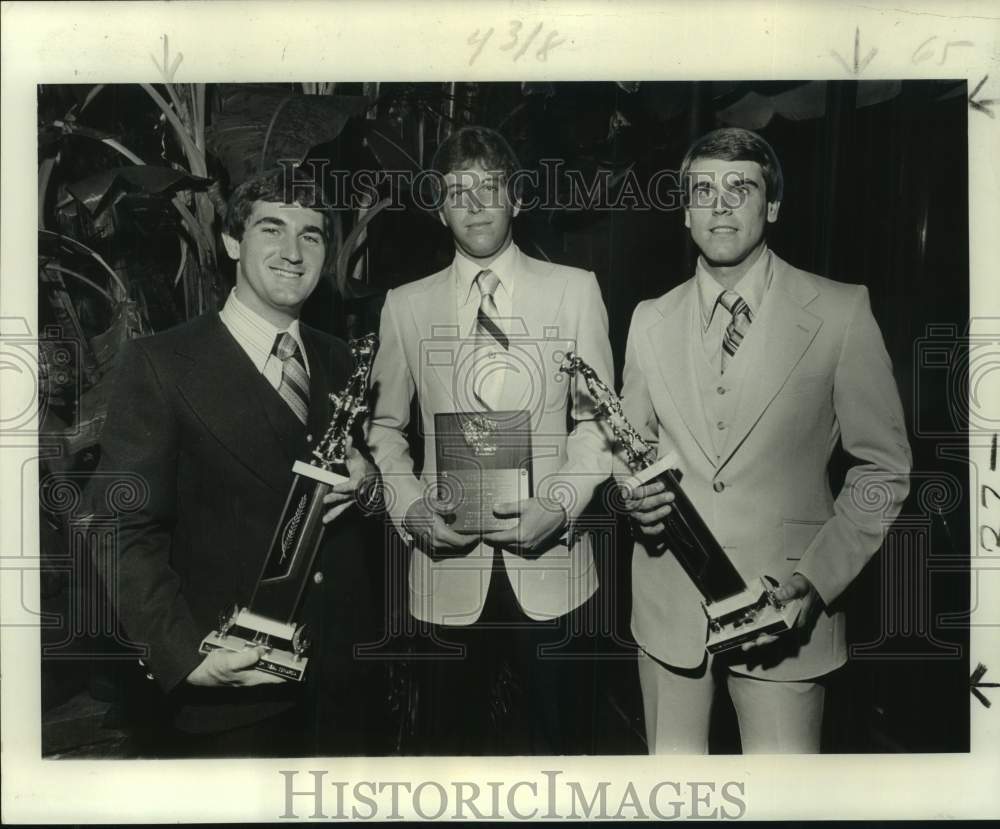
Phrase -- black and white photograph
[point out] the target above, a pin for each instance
(481, 435)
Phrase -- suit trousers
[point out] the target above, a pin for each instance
(775, 717)
(507, 684)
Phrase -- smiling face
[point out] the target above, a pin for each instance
(728, 213)
(478, 211)
(279, 259)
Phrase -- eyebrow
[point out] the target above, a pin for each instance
(274, 220)
(477, 182)
(269, 220)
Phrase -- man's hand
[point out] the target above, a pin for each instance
(231, 668)
(647, 506)
(340, 498)
(539, 521)
(797, 587)
(424, 520)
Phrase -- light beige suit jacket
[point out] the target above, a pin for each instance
(819, 372)
(555, 309)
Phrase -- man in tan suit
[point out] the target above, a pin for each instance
(488, 333)
(751, 371)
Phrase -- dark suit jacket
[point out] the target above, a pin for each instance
(214, 444)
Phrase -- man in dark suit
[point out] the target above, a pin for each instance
(211, 415)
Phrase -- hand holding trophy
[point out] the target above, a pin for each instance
(737, 613)
(267, 624)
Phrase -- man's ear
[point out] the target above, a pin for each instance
(687, 217)
(772, 210)
(444, 221)
(232, 247)
(516, 208)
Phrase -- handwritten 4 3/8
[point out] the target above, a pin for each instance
(517, 41)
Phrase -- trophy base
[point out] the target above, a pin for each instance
(747, 615)
(283, 643)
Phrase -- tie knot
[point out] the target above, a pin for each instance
(487, 282)
(734, 303)
(285, 346)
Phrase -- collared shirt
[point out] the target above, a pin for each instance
(467, 292)
(256, 336)
(714, 316)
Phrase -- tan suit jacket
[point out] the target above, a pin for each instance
(422, 352)
(819, 372)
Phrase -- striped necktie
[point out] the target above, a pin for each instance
(294, 386)
(487, 318)
(489, 366)
(738, 325)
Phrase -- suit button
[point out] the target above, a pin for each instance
(718, 486)
(720, 425)
(309, 438)
(721, 389)
(318, 577)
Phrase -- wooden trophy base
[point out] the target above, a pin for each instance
(747, 615)
(283, 643)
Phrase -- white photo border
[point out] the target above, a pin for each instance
(293, 41)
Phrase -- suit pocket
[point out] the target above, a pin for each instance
(797, 536)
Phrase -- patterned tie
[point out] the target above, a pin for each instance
(488, 380)
(487, 317)
(738, 325)
(294, 386)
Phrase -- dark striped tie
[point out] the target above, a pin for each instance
(487, 381)
(487, 318)
(738, 325)
(294, 386)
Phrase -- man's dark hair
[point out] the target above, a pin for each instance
(283, 186)
(737, 144)
(477, 145)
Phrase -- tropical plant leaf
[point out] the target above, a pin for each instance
(353, 242)
(256, 129)
(390, 148)
(100, 191)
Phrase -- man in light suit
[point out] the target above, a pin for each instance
(211, 415)
(751, 371)
(530, 583)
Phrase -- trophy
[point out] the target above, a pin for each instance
(737, 612)
(483, 459)
(268, 620)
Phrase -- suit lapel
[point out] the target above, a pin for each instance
(435, 321)
(322, 382)
(788, 330)
(670, 347)
(226, 393)
(538, 295)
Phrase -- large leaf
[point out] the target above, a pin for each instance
(100, 191)
(391, 148)
(256, 129)
(395, 151)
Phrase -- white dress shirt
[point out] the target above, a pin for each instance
(256, 336)
(714, 316)
(491, 363)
